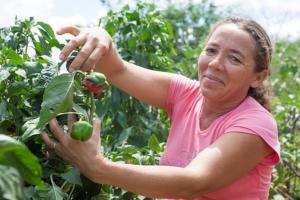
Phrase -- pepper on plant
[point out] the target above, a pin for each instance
(82, 130)
(95, 82)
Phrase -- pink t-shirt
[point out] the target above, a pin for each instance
(186, 140)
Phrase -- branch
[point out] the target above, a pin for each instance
(292, 169)
(284, 194)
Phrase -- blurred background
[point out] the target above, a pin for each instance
(163, 35)
(281, 18)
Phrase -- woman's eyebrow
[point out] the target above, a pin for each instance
(237, 52)
(214, 44)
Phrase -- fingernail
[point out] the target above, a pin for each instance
(71, 69)
(62, 56)
(58, 31)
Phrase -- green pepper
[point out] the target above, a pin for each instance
(82, 130)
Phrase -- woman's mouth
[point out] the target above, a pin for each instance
(213, 79)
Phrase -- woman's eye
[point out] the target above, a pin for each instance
(235, 60)
(210, 51)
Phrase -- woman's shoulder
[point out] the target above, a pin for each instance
(182, 87)
(183, 93)
(249, 107)
(185, 82)
(251, 116)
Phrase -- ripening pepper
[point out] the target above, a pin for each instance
(95, 82)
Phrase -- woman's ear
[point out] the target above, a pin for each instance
(259, 78)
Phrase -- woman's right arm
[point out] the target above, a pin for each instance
(98, 53)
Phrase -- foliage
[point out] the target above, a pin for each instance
(143, 37)
(286, 84)
(191, 24)
(25, 64)
(168, 40)
(16, 163)
(28, 73)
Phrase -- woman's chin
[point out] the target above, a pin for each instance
(212, 89)
(212, 94)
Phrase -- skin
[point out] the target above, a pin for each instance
(226, 71)
(223, 89)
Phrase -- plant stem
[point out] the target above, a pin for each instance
(93, 107)
(58, 66)
(72, 190)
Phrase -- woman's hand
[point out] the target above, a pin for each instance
(96, 45)
(84, 155)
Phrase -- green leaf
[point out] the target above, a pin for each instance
(122, 119)
(36, 193)
(13, 57)
(21, 72)
(32, 67)
(72, 176)
(101, 108)
(3, 111)
(45, 46)
(128, 196)
(58, 98)
(4, 74)
(45, 35)
(81, 111)
(55, 43)
(110, 28)
(145, 35)
(38, 48)
(16, 154)
(47, 28)
(132, 42)
(89, 186)
(11, 183)
(154, 144)
(30, 129)
(17, 88)
(124, 135)
(56, 193)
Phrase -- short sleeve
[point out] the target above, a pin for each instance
(259, 123)
(180, 89)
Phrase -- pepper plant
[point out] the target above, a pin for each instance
(29, 79)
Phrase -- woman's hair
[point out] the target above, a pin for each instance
(263, 58)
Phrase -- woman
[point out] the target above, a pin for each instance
(223, 140)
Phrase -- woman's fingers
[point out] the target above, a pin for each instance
(68, 29)
(83, 56)
(96, 129)
(57, 131)
(95, 43)
(71, 120)
(50, 143)
(70, 46)
(95, 56)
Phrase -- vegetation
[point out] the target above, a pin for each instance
(167, 40)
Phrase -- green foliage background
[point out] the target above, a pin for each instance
(168, 40)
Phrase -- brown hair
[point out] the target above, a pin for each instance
(263, 57)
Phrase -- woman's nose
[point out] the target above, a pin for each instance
(216, 62)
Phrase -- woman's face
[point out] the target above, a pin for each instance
(226, 65)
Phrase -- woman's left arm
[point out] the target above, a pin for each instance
(229, 158)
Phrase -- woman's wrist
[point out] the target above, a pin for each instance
(96, 170)
(111, 63)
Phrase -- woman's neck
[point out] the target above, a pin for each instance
(213, 109)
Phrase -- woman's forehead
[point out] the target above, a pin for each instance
(230, 36)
